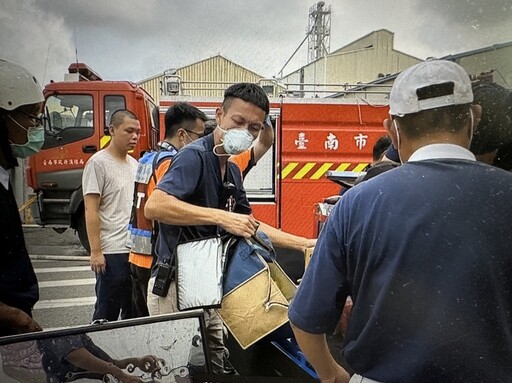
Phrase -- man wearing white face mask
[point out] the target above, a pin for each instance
(202, 194)
(423, 250)
(21, 134)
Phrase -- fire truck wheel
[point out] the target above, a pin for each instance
(82, 232)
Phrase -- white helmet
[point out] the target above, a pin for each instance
(17, 86)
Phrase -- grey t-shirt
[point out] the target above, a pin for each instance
(113, 179)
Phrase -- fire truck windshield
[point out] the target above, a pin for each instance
(71, 118)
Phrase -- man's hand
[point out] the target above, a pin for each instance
(148, 363)
(316, 350)
(17, 320)
(242, 225)
(26, 324)
(98, 262)
(311, 242)
(341, 376)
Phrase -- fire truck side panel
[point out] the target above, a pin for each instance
(265, 212)
(318, 137)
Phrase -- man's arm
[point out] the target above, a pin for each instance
(263, 142)
(92, 222)
(316, 350)
(317, 305)
(146, 363)
(83, 359)
(289, 241)
(168, 209)
(17, 320)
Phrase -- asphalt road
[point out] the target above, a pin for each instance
(46, 241)
(66, 283)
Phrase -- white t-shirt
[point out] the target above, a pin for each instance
(113, 179)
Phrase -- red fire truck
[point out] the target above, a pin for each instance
(312, 136)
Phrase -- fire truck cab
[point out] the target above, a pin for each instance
(78, 112)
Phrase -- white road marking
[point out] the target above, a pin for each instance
(48, 257)
(61, 269)
(68, 282)
(66, 302)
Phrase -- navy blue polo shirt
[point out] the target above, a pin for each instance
(18, 282)
(424, 250)
(194, 177)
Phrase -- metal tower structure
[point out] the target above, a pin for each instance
(319, 31)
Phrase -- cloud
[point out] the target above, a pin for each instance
(466, 12)
(39, 42)
(132, 40)
(425, 28)
(126, 17)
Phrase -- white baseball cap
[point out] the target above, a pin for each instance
(412, 90)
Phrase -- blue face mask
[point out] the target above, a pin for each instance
(35, 140)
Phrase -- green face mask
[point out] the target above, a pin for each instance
(35, 140)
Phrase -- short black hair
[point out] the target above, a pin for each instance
(209, 126)
(503, 158)
(181, 115)
(450, 119)
(248, 92)
(495, 127)
(118, 116)
(380, 147)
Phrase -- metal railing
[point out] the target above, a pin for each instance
(174, 85)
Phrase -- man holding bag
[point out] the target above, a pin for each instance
(202, 192)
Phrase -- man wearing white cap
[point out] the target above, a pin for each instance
(21, 135)
(423, 250)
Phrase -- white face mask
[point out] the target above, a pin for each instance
(236, 141)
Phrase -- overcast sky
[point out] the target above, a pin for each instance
(133, 40)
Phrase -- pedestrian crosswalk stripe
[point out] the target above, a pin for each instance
(68, 282)
(66, 302)
(61, 269)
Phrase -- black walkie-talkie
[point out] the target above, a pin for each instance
(163, 279)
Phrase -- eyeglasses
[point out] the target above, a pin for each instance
(199, 135)
(39, 119)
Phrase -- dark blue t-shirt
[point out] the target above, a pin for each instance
(194, 177)
(424, 250)
(18, 282)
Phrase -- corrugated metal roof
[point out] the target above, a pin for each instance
(451, 57)
(477, 51)
(199, 62)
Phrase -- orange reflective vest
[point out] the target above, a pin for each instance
(152, 166)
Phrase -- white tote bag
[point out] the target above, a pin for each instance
(200, 267)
